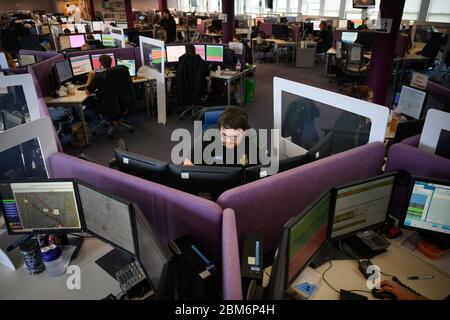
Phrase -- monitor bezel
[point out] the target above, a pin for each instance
(214, 45)
(362, 6)
(45, 231)
(291, 222)
(24, 65)
(422, 108)
(135, 71)
(76, 34)
(415, 178)
(166, 58)
(335, 190)
(81, 55)
(116, 198)
(55, 72)
(100, 54)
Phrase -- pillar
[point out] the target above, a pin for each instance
(162, 4)
(129, 13)
(228, 27)
(91, 10)
(383, 50)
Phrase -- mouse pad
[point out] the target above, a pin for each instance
(113, 261)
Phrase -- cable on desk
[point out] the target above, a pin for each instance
(81, 236)
(325, 280)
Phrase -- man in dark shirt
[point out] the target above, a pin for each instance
(325, 38)
(168, 22)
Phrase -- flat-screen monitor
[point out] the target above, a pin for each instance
(363, 4)
(81, 64)
(130, 64)
(97, 25)
(342, 24)
(3, 61)
(45, 29)
(199, 22)
(96, 60)
(10, 120)
(280, 31)
(108, 217)
(411, 101)
(107, 40)
(63, 71)
(214, 53)
(154, 257)
(361, 205)
(63, 19)
(64, 42)
(209, 181)
(307, 233)
(97, 36)
(428, 203)
(175, 52)
(40, 207)
(76, 40)
(216, 25)
(316, 25)
(200, 50)
(69, 26)
(81, 28)
(27, 59)
(141, 166)
(349, 37)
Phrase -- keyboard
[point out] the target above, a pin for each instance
(348, 295)
(373, 240)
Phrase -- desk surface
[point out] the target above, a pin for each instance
(95, 282)
(279, 42)
(77, 98)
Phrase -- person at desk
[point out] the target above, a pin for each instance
(233, 124)
(161, 34)
(324, 39)
(350, 25)
(397, 292)
(363, 25)
(170, 26)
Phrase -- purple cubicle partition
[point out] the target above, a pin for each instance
(173, 213)
(231, 267)
(137, 55)
(265, 205)
(41, 54)
(266, 28)
(42, 73)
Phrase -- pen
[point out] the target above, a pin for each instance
(420, 277)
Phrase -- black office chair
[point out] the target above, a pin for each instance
(264, 47)
(115, 98)
(432, 47)
(354, 67)
(191, 84)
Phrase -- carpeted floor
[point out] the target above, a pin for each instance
(153, 140)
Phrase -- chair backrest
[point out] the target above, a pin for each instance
(211, 118)
(432, 47)
(190, 79)
(354, 56)
(30, 42)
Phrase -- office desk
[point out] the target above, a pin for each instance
(95, 282)
(344, 274)
(279, 43)
(147, 90)
(230, 78)
(72, 101)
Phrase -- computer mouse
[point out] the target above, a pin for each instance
(383, 295)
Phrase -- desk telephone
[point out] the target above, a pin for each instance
(132, 279)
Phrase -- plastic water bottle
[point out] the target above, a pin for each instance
(238, 66)
(53, 260)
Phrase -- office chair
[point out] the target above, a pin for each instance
(432, 48)
(116, 97)
(354, 66)
(264, 47)
(191, 84)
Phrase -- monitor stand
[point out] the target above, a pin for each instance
(113, 261)
(349, 249)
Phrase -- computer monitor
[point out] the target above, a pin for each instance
(175, 52)
(40, 207)
(280, 31)
(63, 19)
(342, 24)
(214, 53)
(349, 37)
(141, 166)
(412, 101)
(108, 23)
(210, 181)
(316, 25)
(97, 25)
(199, 21)
(216, 25)
(363, 4)
(361, 205)
(108, 217)
(45, 29)
(97, 36)
(64, 42)
(307, 233)
(3, 61)
(95, 58)
(200, 50)
(26, 59)
(81, 28)
(63, 71)
(10, 120)
(81, 64)
(69, 26)
(154, 257)
(427, 209)
(130, 64)
(76, 40)
(365, 38)
(107, 40)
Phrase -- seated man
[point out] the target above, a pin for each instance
(324, 39)
(232, 124)
(114, 91)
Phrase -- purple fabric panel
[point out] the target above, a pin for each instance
(265, 205)
(43, 54)
(173, 213)
(9, 71)
(405, 157)
(412, 141)
(266, 28)
(231, 267)
(42, 75)
(228, 27)
(137, 54)
(44, 113)
(120, 53)
(439, 91)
